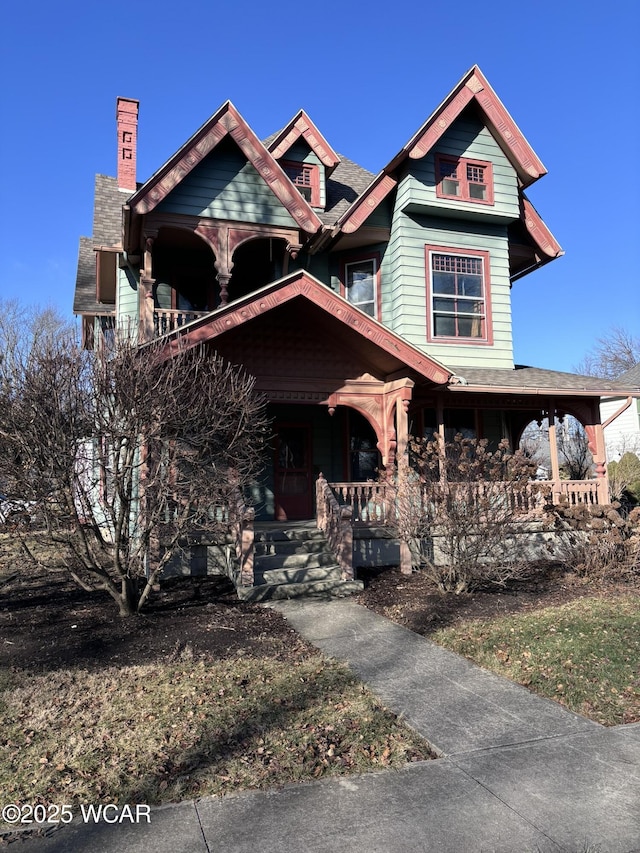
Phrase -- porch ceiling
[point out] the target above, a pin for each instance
(299, 329)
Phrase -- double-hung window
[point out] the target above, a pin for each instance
(458, 288)
(360, 283)
(306, 179)
(463, 179)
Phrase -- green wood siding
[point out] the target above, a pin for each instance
(127, 301)
(226, 186)
(466, 138)
(404, 286)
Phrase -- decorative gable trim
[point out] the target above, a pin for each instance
(538, 231)
(364, 206)
(475, 87)
(303, 284)
(302, 126)
(226, 121)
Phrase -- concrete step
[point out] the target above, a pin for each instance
(302, 575)
(318, 589)
(293, 561)
(289, 546)
(287, 534)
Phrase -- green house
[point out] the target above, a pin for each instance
(368, 307)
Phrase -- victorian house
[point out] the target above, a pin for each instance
(368, 307)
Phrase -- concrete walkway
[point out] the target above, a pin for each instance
(517, 774)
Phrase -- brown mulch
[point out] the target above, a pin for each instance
(411, 601)
(47, 622)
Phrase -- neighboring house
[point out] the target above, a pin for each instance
(368, 307)
(621, 418)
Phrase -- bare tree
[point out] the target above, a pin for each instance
(127, 453)
(614, 353)
(576, 460)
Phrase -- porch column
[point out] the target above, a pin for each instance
(145, 292)
(597, 447)
(553, 446)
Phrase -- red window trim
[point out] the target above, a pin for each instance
(354, 259)
(487, 340)
(313, 172)
(461, 164)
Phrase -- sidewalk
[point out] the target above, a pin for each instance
(518, 773)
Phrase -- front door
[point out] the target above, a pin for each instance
(293, 472)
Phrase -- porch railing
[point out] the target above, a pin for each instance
(335, 521)
(371, 505)
(167, 320)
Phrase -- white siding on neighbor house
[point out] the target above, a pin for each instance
(624, 433)
(404, 285)
(466, 138)
(226, 186)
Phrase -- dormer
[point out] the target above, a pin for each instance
(306, 157)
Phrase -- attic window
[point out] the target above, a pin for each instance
(466, 180)
(306, 178)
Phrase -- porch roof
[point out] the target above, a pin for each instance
(535, 380)
(391, 352)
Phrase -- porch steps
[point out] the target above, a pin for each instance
(292, 560)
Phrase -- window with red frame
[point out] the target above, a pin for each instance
(458, 294)
(466, 180)
(306, 178)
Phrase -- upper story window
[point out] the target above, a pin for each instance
(361, 284)
(466, 180)
(306, 178)
(458, 288)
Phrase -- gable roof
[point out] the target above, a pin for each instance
(302, 126)
(472, 88)
(301, 284)
(226, 121)
(475, 87)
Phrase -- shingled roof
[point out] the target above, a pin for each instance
(530, 379)
(347, 182)
(107, 230)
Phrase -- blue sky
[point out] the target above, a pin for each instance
(368, 75)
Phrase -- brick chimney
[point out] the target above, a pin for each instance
(127, 121)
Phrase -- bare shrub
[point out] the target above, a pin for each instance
(126, 453)
(598, 544)
(456, 505)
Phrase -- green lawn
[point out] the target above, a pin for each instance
(584, 654)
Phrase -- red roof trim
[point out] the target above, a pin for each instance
(365, 204)
(538, 231)
(227, 120)
(302, 126)
(473, 86)
(302, 284)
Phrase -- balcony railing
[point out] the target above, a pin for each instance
(168, 319)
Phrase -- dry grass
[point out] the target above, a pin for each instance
(188, 728)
